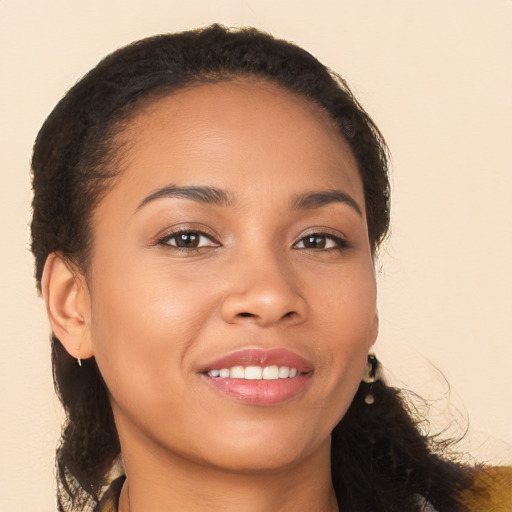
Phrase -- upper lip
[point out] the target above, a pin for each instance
(260, 357)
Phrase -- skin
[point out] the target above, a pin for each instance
(153, 315)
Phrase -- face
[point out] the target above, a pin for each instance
(232, 288)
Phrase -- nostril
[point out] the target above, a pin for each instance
(245, 314)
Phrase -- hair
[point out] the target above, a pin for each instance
(380, 458)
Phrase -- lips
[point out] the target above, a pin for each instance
(260, 357)
(262, 377)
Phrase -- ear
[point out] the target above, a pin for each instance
(67, 302)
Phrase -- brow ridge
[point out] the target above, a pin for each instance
(218, 197)
(317, 199)
(200, 193)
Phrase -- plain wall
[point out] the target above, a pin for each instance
(437, 78)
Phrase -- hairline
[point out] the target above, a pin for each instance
(115, 159)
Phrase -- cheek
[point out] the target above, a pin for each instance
(346, 306)
(347, 320)
(143, 321)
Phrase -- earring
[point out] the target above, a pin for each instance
(78, 360)
(370, 376)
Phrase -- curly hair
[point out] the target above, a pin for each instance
(380, 460)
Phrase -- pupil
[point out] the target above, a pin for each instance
(187, 240)
(315, 242)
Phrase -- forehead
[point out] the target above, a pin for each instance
(236, 132)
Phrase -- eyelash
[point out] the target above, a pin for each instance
(165, 240)
(340, 244)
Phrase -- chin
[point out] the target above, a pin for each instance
(266, 450)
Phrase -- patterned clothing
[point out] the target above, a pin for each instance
(491, 492)
(110, 500)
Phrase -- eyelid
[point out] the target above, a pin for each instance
(161, 239)
(170, 236)
(169, 233)
(340, 239)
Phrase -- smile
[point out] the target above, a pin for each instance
(259, 377)
(273, 372)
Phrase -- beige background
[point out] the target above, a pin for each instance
(436, 76)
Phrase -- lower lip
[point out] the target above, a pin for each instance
(260, 392)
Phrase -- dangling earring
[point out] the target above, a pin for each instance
(370, 376)
(78, 360)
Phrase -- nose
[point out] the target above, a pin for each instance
(264, 293)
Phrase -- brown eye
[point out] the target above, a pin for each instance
(321, 241)
(314, 242)
(189, 240)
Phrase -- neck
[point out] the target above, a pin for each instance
(156, 482)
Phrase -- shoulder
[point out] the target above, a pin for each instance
(491, 490)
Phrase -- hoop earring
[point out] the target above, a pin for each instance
(370, 376)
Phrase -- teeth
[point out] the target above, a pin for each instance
(284, 372)
(271, 372)
(237, 372)
(255, 372)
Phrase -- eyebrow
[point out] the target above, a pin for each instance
(201, 194)
(311, 200)
(218, 197)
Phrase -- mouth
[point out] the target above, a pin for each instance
(259, 377)
(273, 372)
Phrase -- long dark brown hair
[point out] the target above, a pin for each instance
(380, 460)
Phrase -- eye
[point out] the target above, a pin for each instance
(321, 241)
(188, 239)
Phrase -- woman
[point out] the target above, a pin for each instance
(207, 208)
